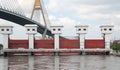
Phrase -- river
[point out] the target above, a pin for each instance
(74, 62)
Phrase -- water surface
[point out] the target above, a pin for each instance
(74, 62)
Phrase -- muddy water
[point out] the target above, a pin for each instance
(76, 62)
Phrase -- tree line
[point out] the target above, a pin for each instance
(115, 46)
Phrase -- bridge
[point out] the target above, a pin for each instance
(16, 15)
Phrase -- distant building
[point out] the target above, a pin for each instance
(116, 41)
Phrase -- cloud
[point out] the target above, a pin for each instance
(69, 25)
(74, 5)
(95, 16)
(26, 6)
(91, 12)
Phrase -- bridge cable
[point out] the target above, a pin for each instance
(45, 18)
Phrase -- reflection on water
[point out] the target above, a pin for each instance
(87, 62)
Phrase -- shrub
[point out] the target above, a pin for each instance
(1, 46)
(116, 46)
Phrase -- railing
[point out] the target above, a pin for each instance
(53, 50)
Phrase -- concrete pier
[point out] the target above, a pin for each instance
(56, 30)
(6, 31)
(106, 30)
(81, 30)
(31, 31)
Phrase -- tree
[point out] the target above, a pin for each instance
(1, 46)
(116, 46)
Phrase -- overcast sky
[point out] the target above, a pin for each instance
(74, 12)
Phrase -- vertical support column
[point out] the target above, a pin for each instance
(56, 41)
(5, 41)
(82, 41)
(6, 30)
(56, 30)
(31, 31)
(31, 41)
(106, 30)
(107, 41)
(81, 30)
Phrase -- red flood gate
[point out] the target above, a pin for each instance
(15, 44)
(45, 44)
(69, 44)
(92, 44)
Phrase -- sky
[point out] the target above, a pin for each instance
(70, 13)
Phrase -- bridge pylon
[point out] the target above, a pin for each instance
(38, 11)
(36, 7)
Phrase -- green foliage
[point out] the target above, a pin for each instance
(1, 46)
(116, 46)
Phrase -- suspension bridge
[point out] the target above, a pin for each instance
(11, 10)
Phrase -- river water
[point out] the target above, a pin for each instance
(74, 62)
